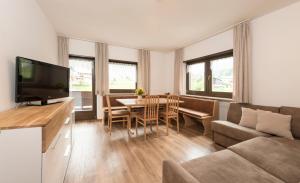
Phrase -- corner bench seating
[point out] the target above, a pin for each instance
(202, 109)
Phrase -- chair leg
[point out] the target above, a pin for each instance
(145, 131)
(157, 127)
(110, 126)
(128, 121)
(177, 119)
(151, 126)
(123, 122)
(167, 124)
(136, 126)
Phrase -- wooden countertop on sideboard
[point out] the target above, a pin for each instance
(30, 116)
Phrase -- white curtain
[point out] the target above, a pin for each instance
(101, 69)
(144, 70)
(242, 63)
(63, 51)
(179, 73)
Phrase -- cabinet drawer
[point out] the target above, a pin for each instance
(56, 158)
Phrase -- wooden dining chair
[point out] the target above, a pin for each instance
(171, 112)
(150, 114)
(116, 115)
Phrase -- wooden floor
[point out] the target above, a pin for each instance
(100, 158)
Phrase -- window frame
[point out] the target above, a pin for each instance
(129, 63)
(208, 75)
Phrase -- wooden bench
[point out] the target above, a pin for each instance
(201, 109)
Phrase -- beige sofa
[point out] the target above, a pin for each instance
(263, 158)
(227, 133)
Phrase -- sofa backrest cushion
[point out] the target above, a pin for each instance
(295, 125)
(197, 104)
(235, 111)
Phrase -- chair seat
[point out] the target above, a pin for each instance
(171, 114)
(141, 117)
(120, 113)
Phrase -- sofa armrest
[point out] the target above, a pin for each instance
(174, 173)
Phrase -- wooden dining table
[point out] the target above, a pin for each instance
(134, 102)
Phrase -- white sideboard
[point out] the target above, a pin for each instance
(37, 150)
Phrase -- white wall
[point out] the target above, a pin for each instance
(161, 65)
(81, 48)
(218, 43)
(161, 72)
(276, 57)
(24, 31)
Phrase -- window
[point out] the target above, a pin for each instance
(211, 75)
(196, 76)
(122, 76)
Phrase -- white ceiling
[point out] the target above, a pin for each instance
(151, 24)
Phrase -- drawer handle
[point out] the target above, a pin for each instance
(67, 121)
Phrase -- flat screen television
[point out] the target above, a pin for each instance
(39, 81)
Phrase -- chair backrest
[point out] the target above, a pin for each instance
(151, 108)
(108, 105)
(172, 104)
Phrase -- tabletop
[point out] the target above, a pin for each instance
(135, 102)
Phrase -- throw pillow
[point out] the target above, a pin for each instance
(274, 123)
(249, 118)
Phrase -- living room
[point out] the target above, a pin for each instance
(150, 91)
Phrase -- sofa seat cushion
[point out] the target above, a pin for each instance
(236, 131)
(227, 167)
(280, 158)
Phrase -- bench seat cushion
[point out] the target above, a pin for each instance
(193, 112)
(227, 167)
(236, 131)
(280, 158)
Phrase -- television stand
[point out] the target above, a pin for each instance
(43, 102)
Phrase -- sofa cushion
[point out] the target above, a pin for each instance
(279, 158)
(236, 131)
(175, 173)
(227, 167)
(295, 125)
(274, 123)
(235, 111)
(249, 118)
(223, 140)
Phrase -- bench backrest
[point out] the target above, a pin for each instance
(201, 105)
